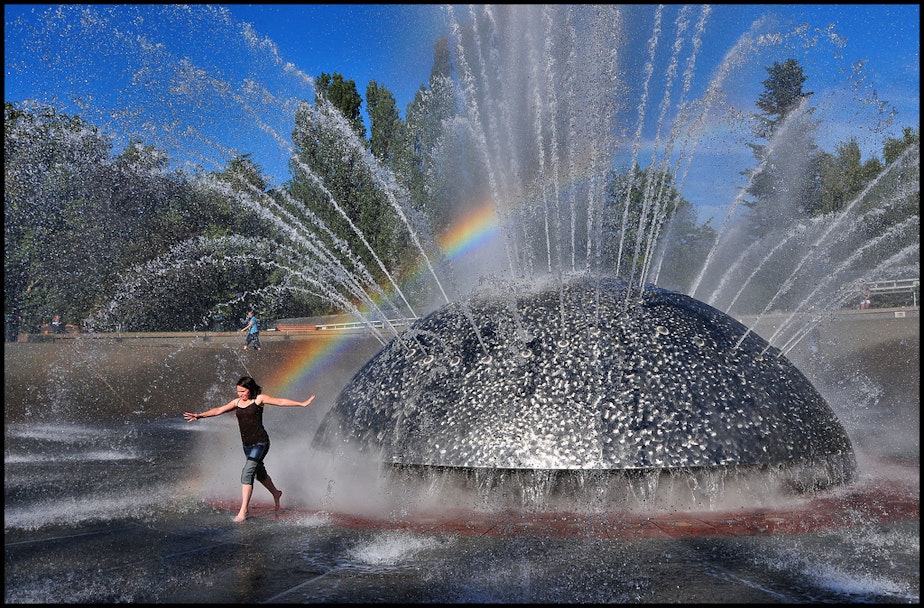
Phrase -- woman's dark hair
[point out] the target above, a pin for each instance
(251, 385)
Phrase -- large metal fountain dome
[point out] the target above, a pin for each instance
(587, 375)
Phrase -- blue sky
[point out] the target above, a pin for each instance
(49, 58)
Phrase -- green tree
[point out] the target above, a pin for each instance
(842, 176)
(893, 148)
(675, 247)
(344, 96)
(332, 179)
(785, 183)
(891, 198)
(267, 268)
(437, 161)
(782, 184)
(683, 248)
(74, 216)
(782, 91)
(231, 258)
(87, 231)
(385, 125)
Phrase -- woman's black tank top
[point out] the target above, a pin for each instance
(250, 421)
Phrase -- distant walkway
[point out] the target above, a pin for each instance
(343, 325)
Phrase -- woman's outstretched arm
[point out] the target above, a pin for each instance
(264, 399)
(215, 411)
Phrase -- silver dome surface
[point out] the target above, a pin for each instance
(585, 376)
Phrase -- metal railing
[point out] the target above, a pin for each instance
(896, 286)
(364, 324)
(303, 327)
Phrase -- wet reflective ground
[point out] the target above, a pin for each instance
(85, 523)
(82, 526)
(138, 508)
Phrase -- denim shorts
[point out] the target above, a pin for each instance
(255, 454)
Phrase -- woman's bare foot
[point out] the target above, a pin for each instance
(240, 517)
(276, 496)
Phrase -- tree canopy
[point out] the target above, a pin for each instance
(90, 230)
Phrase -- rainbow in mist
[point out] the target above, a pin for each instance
(472, 232)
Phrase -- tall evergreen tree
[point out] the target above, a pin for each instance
(782, 183)
(385, 125)
(332, 178)
(344, 96)
(430, 163)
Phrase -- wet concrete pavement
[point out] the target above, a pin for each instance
(111, 497)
